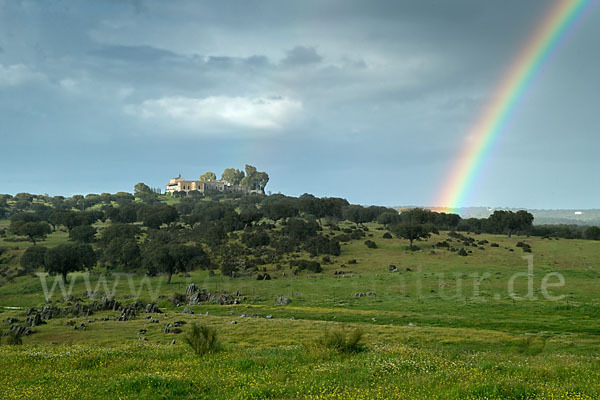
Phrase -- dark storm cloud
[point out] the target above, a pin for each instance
(321, 94)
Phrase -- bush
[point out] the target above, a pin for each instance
(202, 339)
(342, 342)
(462, 252)
(387, 235)
(370, 244)
(312, 266)
(14, 339)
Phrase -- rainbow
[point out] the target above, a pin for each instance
(492, 121)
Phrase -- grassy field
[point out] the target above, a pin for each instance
(443, 327)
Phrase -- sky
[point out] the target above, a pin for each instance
(367, 100)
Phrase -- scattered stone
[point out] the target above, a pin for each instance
(224, 298)
(20, 330)
(11, 320)
(153, 308)
(363, 294)
(127, 314)
(411, 324)
(143, 339)
(142, 332)
(34, 319)
(191, 289)
(172, 342)
(269, 316)
(81, 327)
(233, 322)
(282, 301)
(293, 319)
(187, 311)
(177, 299)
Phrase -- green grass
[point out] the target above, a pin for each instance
(421, 340)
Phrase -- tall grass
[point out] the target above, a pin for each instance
(202, 339)
(338, 339)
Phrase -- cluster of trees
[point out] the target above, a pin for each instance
(235, 232)
(59, 260)
(505, 222)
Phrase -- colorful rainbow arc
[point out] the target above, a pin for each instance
(553, 27)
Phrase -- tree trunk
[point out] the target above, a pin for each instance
(411, 242)
(169, 278)
(64, 278)
(32, 239)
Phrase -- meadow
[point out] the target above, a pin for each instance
(442, 327)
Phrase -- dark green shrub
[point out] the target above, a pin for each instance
(462, 252)
(387, 235)
(202, 339)
(301, 265)
(14, 339)
(370, 244)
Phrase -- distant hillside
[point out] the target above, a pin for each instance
(542, 217)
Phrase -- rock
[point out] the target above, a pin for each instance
(172, 342)
(20, 330)
(411, 324)
(143, 339)
(153, 308)
(282, 301)
(166, 330)
(191, 289)
(269, 316)
(177, 299)
(187, 311)
(154, 321)
(128, 314)
(293, 319)
(142, 332)
(11, 320)
(363, 294)
(233, 322)
(34, 319)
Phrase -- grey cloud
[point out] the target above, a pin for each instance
(301, 55)
(141, 54)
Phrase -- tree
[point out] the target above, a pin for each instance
(33, 258)
(185, 258)
(172, 258)
(140, 188)
(388, 218)
(124, 253)
(254, 180)
(233, 176)
(592, 233)
(66, 258)
(33, 230)
(83, 233)
(208, 176)
(413, 231)
(509, 222)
